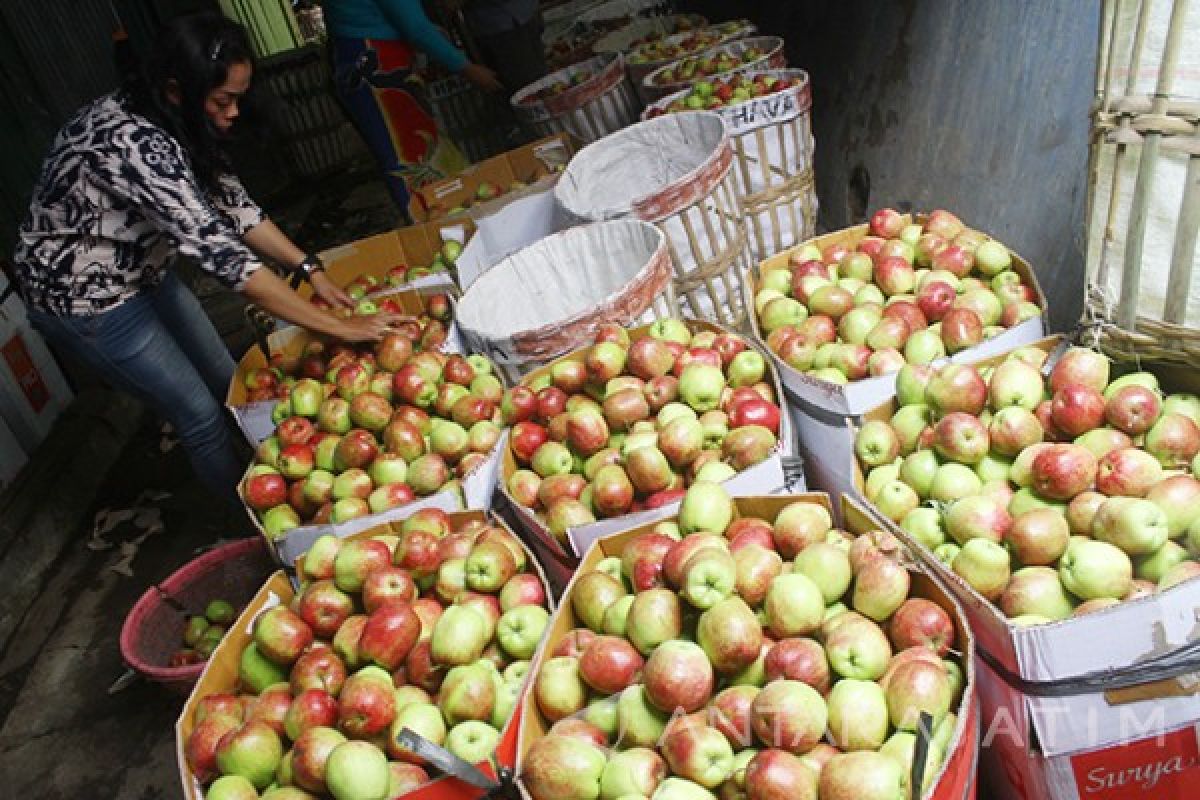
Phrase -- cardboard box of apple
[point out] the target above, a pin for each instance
(363, 287)
(1047, 485)
(747, 649)
(369, 431)
(850, 308)
(623, 427)
(427, 625)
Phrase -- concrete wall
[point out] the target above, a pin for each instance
(977, 106)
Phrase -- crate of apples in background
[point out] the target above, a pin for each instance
(383, 426)
(850, 308)
(757, 52)
(427, 625)
(748, 649)
(707, 95)
(624, 426)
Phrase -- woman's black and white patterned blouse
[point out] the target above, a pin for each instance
(115, 199)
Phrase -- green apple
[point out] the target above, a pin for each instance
(559, 688)
(925, 526)
(794, 605)
(459, 636)
(640, 724)
(1091, 569)
(424, 719)
(257, 672)
(252, 751)
(709, 577)
(863, 775)
(985, 565)
(357, 771)
(901, 748)
(616, 618)
(468, 692)
(858, 715)
(828, 566)
(1136, 525)
(520, 629)
(637, 771)
(954, 481)
(655, 616)
(231, 787)
(680, 789)
(705, 507)
(473, 741)
(603, 714)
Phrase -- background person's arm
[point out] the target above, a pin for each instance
(409, 18)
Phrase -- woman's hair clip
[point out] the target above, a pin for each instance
(214, 52)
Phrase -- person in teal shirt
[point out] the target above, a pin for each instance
(374, 45)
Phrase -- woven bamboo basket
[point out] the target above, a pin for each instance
(654, 87)
(601, 103)
(1143, 296)
(674, 171)
(773, 151)
(469, 117)
(551, 297)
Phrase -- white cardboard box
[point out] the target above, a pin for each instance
(33, 390)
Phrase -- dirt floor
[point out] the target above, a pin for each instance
(63, 732)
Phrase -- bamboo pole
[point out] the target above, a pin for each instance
(1144, 187)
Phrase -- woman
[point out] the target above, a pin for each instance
(374, 44)
(133, 178)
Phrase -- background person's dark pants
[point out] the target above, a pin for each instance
(516, 55)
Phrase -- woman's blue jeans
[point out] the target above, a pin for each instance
(161, 347)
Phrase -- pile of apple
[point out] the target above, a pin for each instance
(432, 631)
(690, 69)
(682, 24)
(727, 92)
(1051, 496)
(673, 48)
(379, 428)
(626, 425)
(362, 286)
(908, 293)
(427, 331)
(438, 309)
(755, 658)
(203, 633)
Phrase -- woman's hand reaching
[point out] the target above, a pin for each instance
(325, 289)
(482, 77)
(369, 328)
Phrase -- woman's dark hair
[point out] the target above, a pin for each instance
(194, 53)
